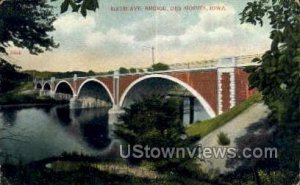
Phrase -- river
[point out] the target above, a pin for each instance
(31, 134)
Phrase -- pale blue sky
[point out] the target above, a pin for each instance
(108, 39)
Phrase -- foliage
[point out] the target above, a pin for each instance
(223, 139)
(132, 70)
(267, 177)
(13, 99)
(10, 77)
(123, 70)
(26, 24)
(48, 74)
(278, 76)
(160, 67)
(205, 127)
(155, 122)
(82, 5)
(79, 175)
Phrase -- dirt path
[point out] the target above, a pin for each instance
(235, 128)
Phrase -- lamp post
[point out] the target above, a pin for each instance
(153, 55)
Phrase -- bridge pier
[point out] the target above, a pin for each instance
(114, 113)
(75, 103)
(226, 84)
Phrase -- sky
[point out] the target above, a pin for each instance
(106, 39)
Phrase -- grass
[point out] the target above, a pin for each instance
(17, 97)
(26, 99)
(204, 128)
(23, 87)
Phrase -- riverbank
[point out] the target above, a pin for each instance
(91, 171)
(26, 100)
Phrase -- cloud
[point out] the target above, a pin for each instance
(161, 23)
(112, 36)
(176, 36)
(165, 30)
(71, 23)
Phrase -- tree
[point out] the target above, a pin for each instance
(132, 70)
(160, 67)
(278, 76)
(155, 122)
(26, 24)
(10, 77)
(82, 5)
(123, 70)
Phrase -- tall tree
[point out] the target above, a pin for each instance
(26, 24)
(278, 76)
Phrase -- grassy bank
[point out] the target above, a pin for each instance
(12, 99)
(203, 128)
(89, 173)
(24, 95)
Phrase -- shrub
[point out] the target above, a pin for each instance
(223, 139)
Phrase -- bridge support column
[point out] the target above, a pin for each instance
(52, 87)
(75, 84)
(75, 103)
(34, 84)
(116, 110)
(226, 84)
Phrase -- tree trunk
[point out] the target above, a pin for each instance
(255, 176)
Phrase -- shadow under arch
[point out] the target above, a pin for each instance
(64, 87)
(202, 101)
(39, 86)
(47, 86)
(93, 80)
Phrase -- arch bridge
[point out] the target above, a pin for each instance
(217, 88)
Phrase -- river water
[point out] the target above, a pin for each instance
(30, 134)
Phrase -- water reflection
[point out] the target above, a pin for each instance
(50, 131)
(91, 125)
(9, 116)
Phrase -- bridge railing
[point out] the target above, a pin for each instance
(241, 61)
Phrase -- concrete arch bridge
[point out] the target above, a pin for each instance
(216, 89)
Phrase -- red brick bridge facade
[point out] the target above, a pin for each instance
(216, 88)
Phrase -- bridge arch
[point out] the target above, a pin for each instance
(100, 83)
(39, 86)
(47, 86)
(202, 101)
(66, 83)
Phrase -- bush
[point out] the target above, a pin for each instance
(160, 67)
(155, 122)
(223, 139)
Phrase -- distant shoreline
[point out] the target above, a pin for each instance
(28, 105)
